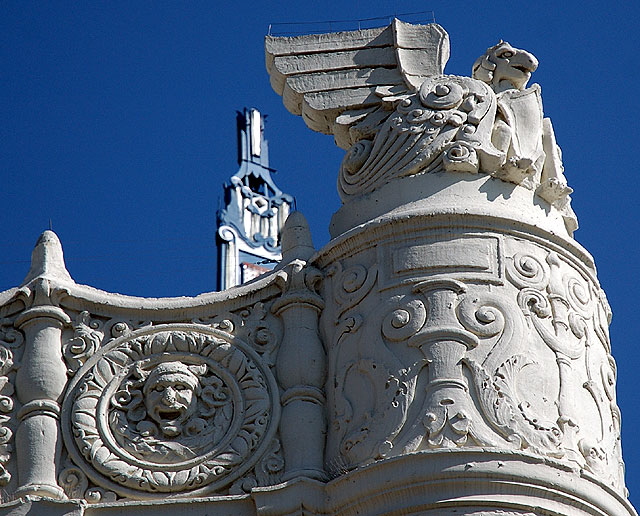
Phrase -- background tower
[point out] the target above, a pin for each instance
(254, 211)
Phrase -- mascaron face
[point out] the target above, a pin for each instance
(169, 397)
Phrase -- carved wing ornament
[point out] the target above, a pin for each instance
(320, 77)
(383, 95)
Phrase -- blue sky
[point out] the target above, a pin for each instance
(118, 126)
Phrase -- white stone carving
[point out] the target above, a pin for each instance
(445, 126)
(170, 409)
(515, 360)
(446, 353)
(322, 76)
(532, 156)
(10, 344)
(407, 124)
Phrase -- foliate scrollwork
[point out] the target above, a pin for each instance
(446, 125)
(261, 330)
(172, 408)
(352, 284)
(87, 335)
(74, 482)
(76, 485)
(267, 472)
(253, 325)
(270, 468)
(10, 340)
(525, 270)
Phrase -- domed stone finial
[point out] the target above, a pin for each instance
(47, 259)
(296, 239)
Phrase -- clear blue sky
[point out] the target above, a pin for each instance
(118, 125)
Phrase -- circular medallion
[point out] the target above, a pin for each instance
(170, 409)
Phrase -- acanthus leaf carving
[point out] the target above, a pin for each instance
(368, 431)
(446, 125)
(510, 415)
(87, 336)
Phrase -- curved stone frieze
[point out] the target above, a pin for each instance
(436, 363)
(170, 409)
(11, 341)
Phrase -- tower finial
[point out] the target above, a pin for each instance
(47, 259)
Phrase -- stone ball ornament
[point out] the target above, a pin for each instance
(180, 409)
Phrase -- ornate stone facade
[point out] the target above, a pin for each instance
(446, 353)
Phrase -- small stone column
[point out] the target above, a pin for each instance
(42, 376)
(39, 383)
(301, 359)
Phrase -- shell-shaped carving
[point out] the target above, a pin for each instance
(446, 125)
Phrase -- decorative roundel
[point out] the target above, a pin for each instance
(170, 409)
(442, 93)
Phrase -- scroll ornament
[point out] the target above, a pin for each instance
(474, 353)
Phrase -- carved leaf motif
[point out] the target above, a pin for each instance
(509, 415)
(446, 125)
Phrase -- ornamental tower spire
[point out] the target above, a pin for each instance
(254, 211)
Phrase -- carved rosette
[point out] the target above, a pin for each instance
(181, 409)
(508, 351)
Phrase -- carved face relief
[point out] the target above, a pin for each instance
(170, 396)
(172, 408)
(504, 67)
